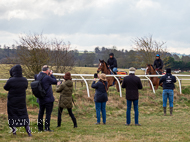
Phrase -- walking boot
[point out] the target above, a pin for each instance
(28, 131)
(171, 111)
(164, 108)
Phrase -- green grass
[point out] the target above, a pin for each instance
(155, 127)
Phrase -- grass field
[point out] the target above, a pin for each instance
(155, 127)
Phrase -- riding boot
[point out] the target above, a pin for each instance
(28, 130)
(75, 122)
(164, 108)
(171, 111)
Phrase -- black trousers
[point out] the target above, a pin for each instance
(60, 110)
(48, 107)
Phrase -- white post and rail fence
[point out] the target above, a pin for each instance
(82, 78)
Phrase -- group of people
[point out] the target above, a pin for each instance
(16, 104)
(17, 85)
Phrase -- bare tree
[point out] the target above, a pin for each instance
(62, 59)
(148, 48)
(35, 50)
(32, 53)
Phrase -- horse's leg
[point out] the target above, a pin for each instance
(157, 83)
(108, 83)
(117, 86)
(150, 84)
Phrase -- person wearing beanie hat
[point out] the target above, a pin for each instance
(168, 81)
(112, 63)
(100, 97)
(65, 101)
(158, 63)
(132, 84)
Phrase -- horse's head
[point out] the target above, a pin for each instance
(149, 69)
(102, 65)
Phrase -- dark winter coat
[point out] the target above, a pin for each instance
(65, 90)
(16, 104)
(101, 93)
(132, 83)
(158, 63)
(47, 81)
(112, 62)
(168, 81)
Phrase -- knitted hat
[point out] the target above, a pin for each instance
(132, 70)
(103, 77)
(168, 70)
(67, 76)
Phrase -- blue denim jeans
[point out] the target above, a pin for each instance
(128, 113)
(114, 69)
(100, 106)
(168, 93)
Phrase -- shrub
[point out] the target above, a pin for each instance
(186, 90)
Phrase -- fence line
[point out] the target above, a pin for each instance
(115, 76)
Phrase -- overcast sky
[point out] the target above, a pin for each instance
(90, 23)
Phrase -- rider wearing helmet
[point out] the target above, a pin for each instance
(112, 63)
(159, 64)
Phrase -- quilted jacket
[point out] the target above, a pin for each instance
(65, 90)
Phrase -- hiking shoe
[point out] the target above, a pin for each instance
(137, 124)
(97, 123)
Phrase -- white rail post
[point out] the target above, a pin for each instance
(151, 84)
(87, 88)
(119, 85)
(179, 84)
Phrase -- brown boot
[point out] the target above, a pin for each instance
(171, 111)
(164, 108)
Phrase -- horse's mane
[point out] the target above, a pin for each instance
(150, 65)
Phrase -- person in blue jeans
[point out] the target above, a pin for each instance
(168, 81)
(100, 97)
(132, 84)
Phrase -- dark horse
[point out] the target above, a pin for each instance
(155, 80)
(103, 67)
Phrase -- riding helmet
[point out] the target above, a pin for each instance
(158, 55)
(111, 54)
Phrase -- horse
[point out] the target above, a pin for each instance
(151, 71)
(103, 67)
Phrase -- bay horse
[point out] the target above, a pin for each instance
(103, 67)
(155, 80)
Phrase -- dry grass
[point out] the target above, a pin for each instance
(155, 127)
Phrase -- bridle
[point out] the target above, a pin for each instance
(149, 72)
(101, 66)
(100, 69)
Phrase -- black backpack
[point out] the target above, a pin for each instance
(37, 88)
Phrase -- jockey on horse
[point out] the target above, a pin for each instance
(112, 63)
(159, 64)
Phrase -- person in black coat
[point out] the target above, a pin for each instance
(112, 63)
(100, 97)
(16, 104)
(46, 103)
(158, 63)
(168, 81)
(132, 83)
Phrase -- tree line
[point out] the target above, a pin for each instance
(35, 50)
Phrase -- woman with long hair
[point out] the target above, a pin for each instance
(100, 97)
